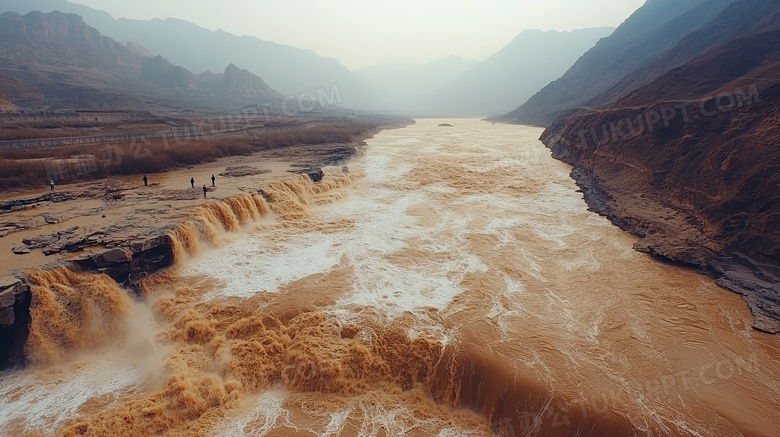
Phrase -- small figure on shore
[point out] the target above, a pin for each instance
(213, 181)
(145, 181)
(204, 191)
(52, 184)
(192, 181)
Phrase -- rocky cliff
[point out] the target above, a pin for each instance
(653, 30)
(15, 299)
(238, 83)
(690, 162)
(56, 60)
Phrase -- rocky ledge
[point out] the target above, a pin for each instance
(54, 197)
(239, 171)
(15, 298)
(119, 227)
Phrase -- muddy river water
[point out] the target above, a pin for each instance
(452, 283)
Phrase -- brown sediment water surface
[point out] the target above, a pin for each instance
(453, 283)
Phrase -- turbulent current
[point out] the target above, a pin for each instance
(453, 283)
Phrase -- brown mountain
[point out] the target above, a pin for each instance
(6, 105)
(741, 19)
(160, 72)
(690, 161)
(238, 83)
(55, 60)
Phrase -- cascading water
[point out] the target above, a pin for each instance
(72, 311)
(210, 221)
(454, 284)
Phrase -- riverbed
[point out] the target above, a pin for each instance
(452, 283)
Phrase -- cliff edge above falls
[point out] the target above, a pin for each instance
(122, 227)
(698, 182)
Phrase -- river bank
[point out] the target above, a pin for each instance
(453, 283)
(121, 226)
(701, 189)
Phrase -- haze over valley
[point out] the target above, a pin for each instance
(448, 86)
(390, 218)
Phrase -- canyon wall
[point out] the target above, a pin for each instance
(698, 181)
(685, 151)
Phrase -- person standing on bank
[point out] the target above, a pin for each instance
(204, 191)
(52, 184)
(213, 181)
(145, 181)
(192, 181)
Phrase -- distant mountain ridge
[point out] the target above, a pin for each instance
(649, 33)
(530, 61)
(287, 69)
(56, 60)
(242, 83)
(454, 87)
(434, 88)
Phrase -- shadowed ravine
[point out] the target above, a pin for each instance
(452, 284)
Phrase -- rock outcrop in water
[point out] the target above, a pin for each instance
(690, 161)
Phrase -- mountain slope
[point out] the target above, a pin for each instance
(6, 105)
(287, 69)
(237, 83)
(15, 90)
(513, 74)
(690, 162)
(651, 31)
(736, 20)
(56, 60)
(66, 62)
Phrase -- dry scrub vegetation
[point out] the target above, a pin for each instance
(33, 167)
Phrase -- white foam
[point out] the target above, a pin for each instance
(263, 418)
(337, 422)
(46, 398)
(248, 266)
(452, 432)
(268, 260)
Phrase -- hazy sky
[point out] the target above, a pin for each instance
(361, 33)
